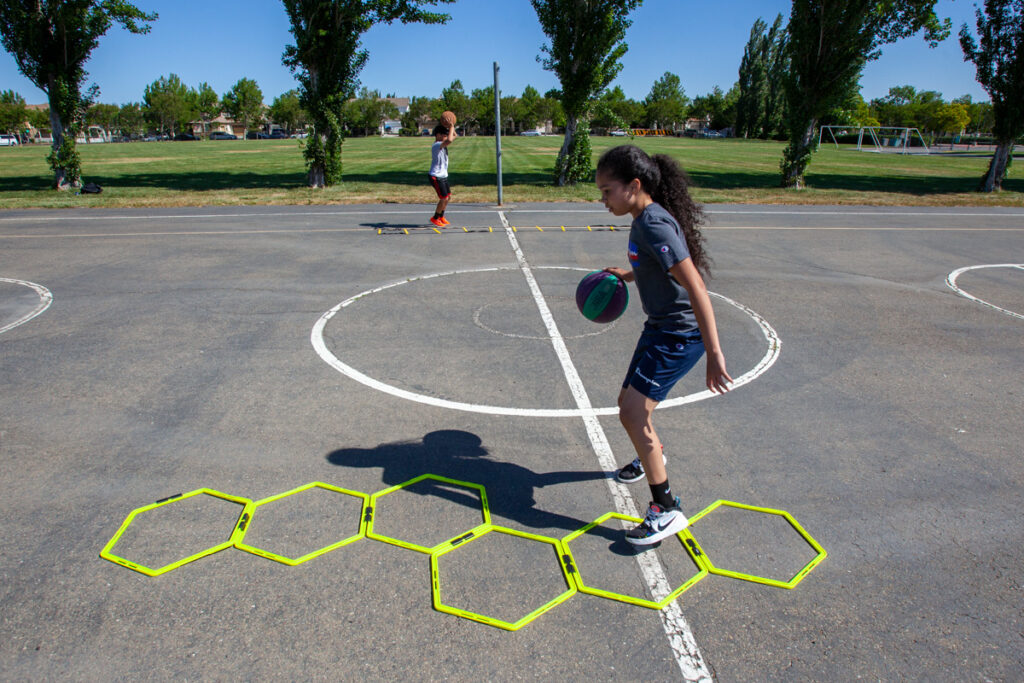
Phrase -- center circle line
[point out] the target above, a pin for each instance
(320, 345)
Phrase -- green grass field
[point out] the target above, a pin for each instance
(395, 170)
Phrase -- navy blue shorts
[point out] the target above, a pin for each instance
(661, 359)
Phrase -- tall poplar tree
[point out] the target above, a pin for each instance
(586, 46)
(327, 58)
(999, 59)
(753, 83)
(830, 41)
(777, 66)
(51, 40)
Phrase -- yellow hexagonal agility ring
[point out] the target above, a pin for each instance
(684, 536)
(149, 571)
(410, 545)
(360, 531)
(561, 556)
(797, 578)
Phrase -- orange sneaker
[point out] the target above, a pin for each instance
(446, 221)
(439, 222)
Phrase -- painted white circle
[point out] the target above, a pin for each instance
(478, 321)
(45, 299)
(951, 282)
(316, 337)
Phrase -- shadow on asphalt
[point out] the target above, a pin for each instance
(461, 455)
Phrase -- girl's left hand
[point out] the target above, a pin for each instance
(717, 377)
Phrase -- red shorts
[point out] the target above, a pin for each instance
(441, 187)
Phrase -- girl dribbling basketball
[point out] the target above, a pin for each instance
(667, 259)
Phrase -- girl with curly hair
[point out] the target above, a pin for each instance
(667, 259)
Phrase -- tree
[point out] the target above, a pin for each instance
(773, 115)
(952, 118)
(102, 115)
(286, 111)
(244, 102)
(981, 114)
(168, 104)
(13, 113)
(208, 105)
(130, 120)
(852, 111)
(509, 114)
(998, 57)
(586, 44)
(416, 115)
(529, 108)
(326, 59)
(482, 106)
(454, 99)
(829, 42)
(715, 108)
(39, 118)
(666, 104)
(614, 111)
(550, 109)
(51, 40)
(368, 111)
(753, 82)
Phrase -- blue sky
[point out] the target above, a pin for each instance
(699, 41)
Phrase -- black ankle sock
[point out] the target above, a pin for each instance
(662, 494)
(437, 215)
(441, 215)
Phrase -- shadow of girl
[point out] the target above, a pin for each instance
(460, 455)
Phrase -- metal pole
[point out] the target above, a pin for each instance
(497, 128)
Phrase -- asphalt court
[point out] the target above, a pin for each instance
(178, 353)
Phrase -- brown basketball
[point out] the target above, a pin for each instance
(448, 119)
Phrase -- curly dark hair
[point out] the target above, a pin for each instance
(664, 179)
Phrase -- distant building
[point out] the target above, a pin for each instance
(392, 126)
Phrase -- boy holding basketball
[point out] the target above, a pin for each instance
(444, 135)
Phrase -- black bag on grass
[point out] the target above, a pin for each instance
(91, 188)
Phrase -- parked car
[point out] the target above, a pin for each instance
(618, 133)
(300, 136)
(256, 135)
(9, 141)
(221, 135)
(278, 135)
(531, 133)
(185, 136)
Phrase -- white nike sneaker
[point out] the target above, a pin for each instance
(634, 471)
(659, 523)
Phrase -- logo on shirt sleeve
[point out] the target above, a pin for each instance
(664, 249)
(634, 253)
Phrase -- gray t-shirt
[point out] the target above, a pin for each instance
(656, 243)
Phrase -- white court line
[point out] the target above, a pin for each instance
(45, 299)
(255, 214)
(951, 282)
(859, 228)
(680, 636)
(574, 228)
(382, 212)
(862, 213)
(317, 339)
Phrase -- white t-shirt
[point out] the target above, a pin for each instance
(439, 160)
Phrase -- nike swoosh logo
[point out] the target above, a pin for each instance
(661, 527)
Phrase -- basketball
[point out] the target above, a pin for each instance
(601, 297)
(448, 119)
